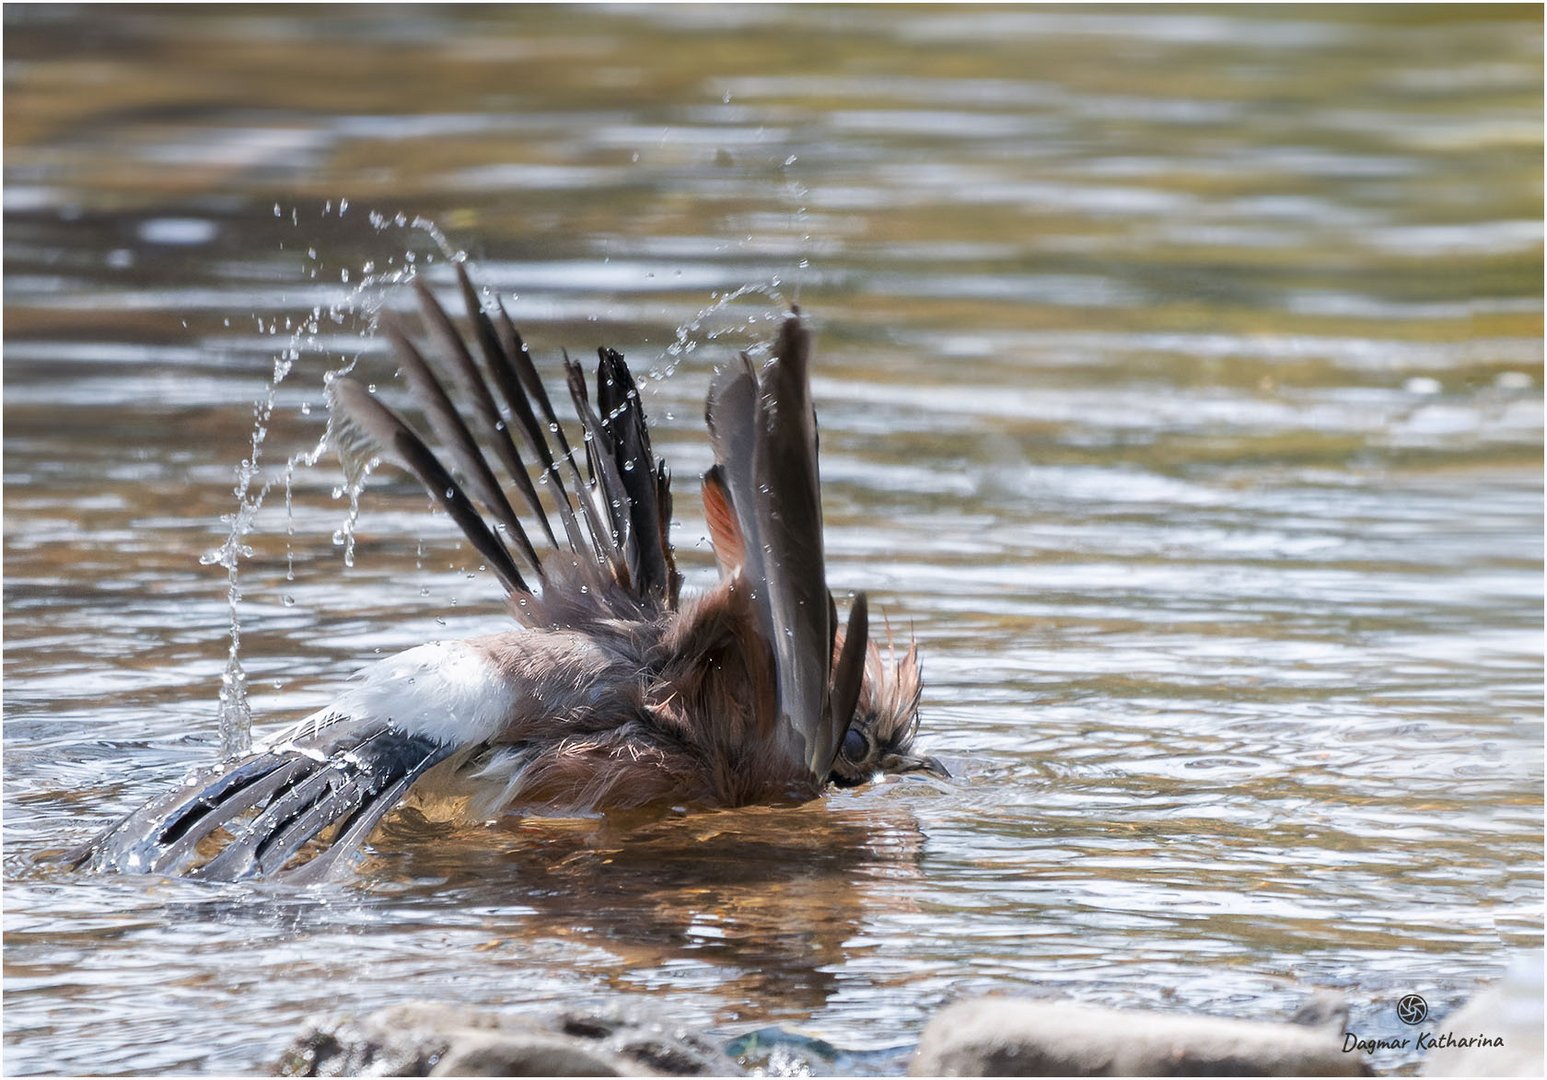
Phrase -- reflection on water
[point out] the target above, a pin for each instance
(1180, 381)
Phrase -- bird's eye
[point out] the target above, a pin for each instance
(854, 745)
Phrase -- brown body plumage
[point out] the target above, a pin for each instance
(616, 693)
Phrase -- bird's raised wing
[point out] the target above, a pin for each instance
(614, 517)
(763, 502)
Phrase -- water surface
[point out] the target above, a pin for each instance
(1180, 380)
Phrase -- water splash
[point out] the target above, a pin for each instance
(688, 334)
(360, 305)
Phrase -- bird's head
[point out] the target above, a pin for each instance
(880, 734)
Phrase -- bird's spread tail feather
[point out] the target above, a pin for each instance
(292, 810)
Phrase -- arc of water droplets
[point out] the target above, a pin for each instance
(686, 337)
(364, 298)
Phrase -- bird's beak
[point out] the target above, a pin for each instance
(910, 763)
(932, 766)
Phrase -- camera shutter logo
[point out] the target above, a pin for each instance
(1412, 1010)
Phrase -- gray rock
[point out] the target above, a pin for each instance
(998, 1036)
(404, 1040)
(430, 1039)
(1511, 1010)
(642, 1034)
(473, 1053)
(1323, 1009)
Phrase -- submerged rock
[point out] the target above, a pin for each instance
(998, 1036)
(429, 1039)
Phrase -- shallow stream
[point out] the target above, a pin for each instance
(1180, 380)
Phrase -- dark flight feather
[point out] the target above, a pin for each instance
(623, 420)
(491, 427)
(607, 484)
(763, 430)
(600, 547)
(849, 670)
(393, 435)
(458, 440)
(503, 354)
(789, 516)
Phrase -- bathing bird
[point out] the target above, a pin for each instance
(613, 691)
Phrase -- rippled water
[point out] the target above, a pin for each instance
(1180, 378)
